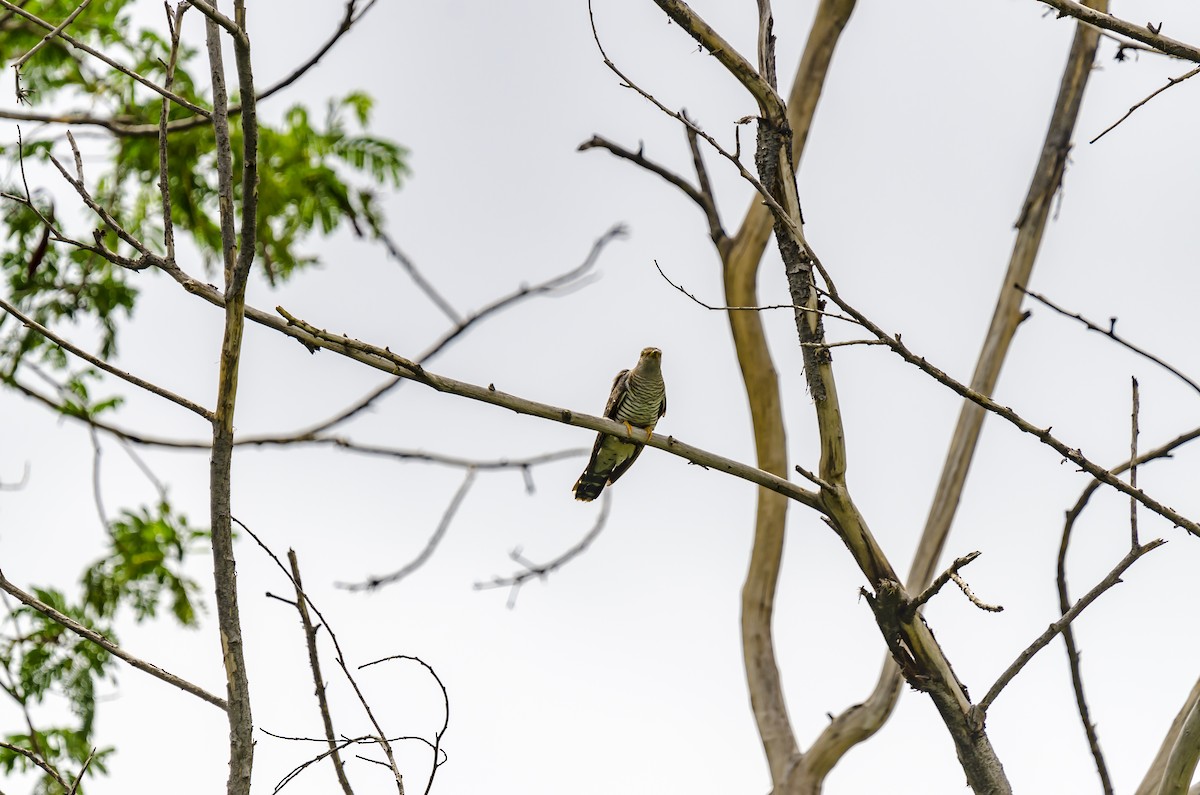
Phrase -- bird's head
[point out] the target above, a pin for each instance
(650, 359)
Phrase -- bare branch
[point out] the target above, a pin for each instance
(436, 745)
(793, 307)
(418, 278)
(1111, 333)
(79, 778)
(37, 759)
(372, 583)
(380, 736)
(541, 570)
(104, 643)
(17, 64)
(941, 580)
(1153, 780)
(638, 158)
(238, 251)
(350, 17)
(975, 600)
(164, 183)
(1181, 762)
(554, 285)
(1072, 454)
(32, 324)
(1044, 639)
(384, 359)
(1064, 599)
(1133, 454)
(314, 662)
(1141, 33)
(1171, 81)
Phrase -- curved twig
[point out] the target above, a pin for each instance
(373, 583)
(540, 570)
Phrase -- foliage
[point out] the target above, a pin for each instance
(43, 663)
(316, 175)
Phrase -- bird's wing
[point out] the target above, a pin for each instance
(620, 388)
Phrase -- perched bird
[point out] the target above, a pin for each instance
(638, 399)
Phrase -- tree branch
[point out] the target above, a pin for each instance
(1111, 333)
(104, 643)
(1102, 19)
(16, 9)
(1044, 639)
(375, 582)
(238, 254)
(33, 325)
(540, 570)
(314, 663)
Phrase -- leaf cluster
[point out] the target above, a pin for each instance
(318, 174)
(43, 665)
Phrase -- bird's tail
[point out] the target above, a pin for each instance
(589, 486)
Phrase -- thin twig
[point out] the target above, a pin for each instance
(372, 583)
(1140, 33)
(1064, 598)
(437, 737)
(1054, 629)
(793, 307)
(1133, 454)
(415, 274)
(125, 129)
(638, 158)
(350, 17)
(1072, 454)
(975, 600)
(17, 64)
(729, 57)
(79, 778)
(104, 643)
(381, 736)
(540, 570)
(97, 494)
(1111, 333)
(102, 57)
(33, 325)
(1171, 81)
(174, 22)
(556, 284)
(37, 760)
(314, 663)
(941, 580)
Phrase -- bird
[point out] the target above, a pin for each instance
(638, 398)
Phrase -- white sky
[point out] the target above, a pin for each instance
(623, 671)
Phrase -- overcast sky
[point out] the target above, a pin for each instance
(622, 672)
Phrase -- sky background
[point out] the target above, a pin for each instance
(622, 672)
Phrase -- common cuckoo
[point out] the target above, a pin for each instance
(638, 399)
